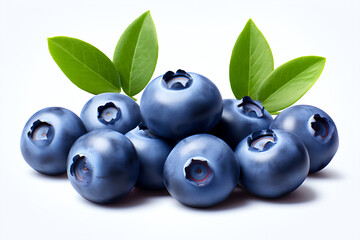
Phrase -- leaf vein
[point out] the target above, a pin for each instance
(134, 55)
(292, 79)
(84, 63)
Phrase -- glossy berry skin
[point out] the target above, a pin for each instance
(316, 130)
(201, 171)
(102, 166)
(152, 152)
(47, 137)
(111, 111)
(272, 163)
(239, 119)
(176, 105)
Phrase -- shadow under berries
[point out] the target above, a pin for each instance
(136, 197)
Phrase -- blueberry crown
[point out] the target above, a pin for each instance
(251, 107)
(322, 127)
(178, 80)
(108, 113)
(41, 133)
(262, 140)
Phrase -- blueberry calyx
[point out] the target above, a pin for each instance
(177, 81)
(81, 169)
(321, 127)
(198, 171)
(251, 107)
(41, 133)
(262, 140)
(108, 113)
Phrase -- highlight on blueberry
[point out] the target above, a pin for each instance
(102, 166)
(201, 171)
(272, 163)
(316, 130)
(47, 137)
(152, 152)
(111, 111)
(177, 105)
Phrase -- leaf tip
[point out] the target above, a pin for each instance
(250, 22)
(319, 57)
(147, 13)
(54, 39)
(50, 43)
(321, 60)
(49, 39)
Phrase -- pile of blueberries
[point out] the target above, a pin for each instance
(184, 137)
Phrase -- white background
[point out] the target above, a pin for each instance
(196, 36)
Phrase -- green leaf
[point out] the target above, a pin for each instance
(86, 66)
(289, 82)
(251, 61)
(136, 54)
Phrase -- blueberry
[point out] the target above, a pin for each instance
(111, 111)
(272, 163)
(315, 128)
(176, 105)
(152, 152)
(47, 137)
(201, 171)
(102, 166)
(239, 119)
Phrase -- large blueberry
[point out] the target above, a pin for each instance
(152, 152)
(201, 171)
(176, 105)
(47, 137)
(112, 111)
(239, 119)
(315, 128)
(102, 166)
(272, 163)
